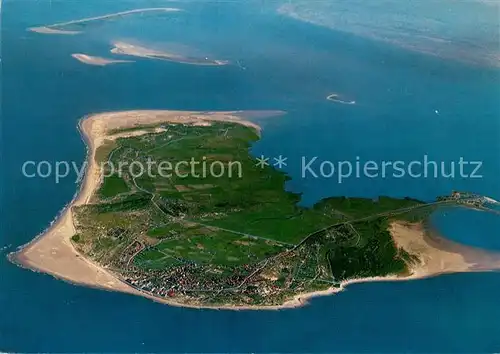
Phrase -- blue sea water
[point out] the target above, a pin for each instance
(466, 29)
(291, 66)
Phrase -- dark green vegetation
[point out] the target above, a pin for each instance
(239, 238)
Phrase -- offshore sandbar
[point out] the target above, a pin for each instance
(124, 48)
(48, 30)
(52, 251)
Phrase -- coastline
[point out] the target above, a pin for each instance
(437, 256)
(52, 252)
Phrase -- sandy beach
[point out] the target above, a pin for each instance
(99, 61)
(53, 253)
(437, 256)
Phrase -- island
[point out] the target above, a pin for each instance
(335, 97)
(186, 234)
(143, 52)
(98, 61)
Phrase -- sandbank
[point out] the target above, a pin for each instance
(99, 61)
(143, 52)
(53, 253)
(48, 30)
(53, 28)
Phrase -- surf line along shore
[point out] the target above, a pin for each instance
(53, 253)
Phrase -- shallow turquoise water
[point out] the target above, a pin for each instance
(291, 66)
